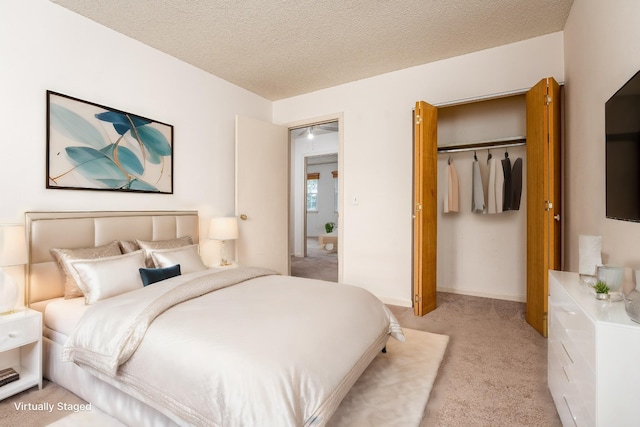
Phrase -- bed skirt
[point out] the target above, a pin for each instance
(103, 396)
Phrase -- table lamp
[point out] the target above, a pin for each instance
(13, 252)
(223, 229)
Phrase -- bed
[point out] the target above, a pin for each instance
(242, 346)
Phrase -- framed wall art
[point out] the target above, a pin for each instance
(93, 147)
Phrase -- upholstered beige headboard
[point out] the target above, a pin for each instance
(47, 230)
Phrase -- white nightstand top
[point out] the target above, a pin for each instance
(18, 313)
(223, 267)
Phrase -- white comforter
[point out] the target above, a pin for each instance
(269, 351)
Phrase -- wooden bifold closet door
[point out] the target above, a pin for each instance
(543, 197)
(543, 201)
(424, 209)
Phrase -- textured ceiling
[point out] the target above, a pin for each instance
(279, 48)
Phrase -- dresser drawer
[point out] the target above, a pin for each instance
(572, 326)
(19, 332)
(566, 393)
(574, 412)
(563, 368)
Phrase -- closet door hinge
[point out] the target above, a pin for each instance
(418, 119)
(547, 99)
(417, 299)
(548, 205)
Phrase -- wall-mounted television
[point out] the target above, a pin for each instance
(622, 123)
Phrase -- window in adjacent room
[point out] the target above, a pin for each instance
(312, 191)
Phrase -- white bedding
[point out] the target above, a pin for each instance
(62, 315)
(273, 350)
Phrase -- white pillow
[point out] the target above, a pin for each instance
(107, 277)
(187, 257)
(65, 256)
(148, 246)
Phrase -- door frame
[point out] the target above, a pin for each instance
(339, 117)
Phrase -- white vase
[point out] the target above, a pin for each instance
(589, 254)
(610, 275)
(8, 293)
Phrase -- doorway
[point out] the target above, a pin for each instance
(315, 200)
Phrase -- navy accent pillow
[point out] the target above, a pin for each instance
(153, 275)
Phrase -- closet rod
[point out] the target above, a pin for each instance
(512, 142)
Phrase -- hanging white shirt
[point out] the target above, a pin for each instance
(451, 197)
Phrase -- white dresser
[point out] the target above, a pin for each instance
(593, 356)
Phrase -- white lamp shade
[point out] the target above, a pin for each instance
(13, 251)
(224, 228)
(13, 245)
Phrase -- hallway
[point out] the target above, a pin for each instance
(318, 264)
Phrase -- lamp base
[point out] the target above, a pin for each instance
(223, 255)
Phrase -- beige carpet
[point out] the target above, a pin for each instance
(318, 264)
(393, 391)
(95, 418)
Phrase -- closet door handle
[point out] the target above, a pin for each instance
(556, 217)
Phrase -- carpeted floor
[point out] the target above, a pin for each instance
(318, 264)
(495, 369)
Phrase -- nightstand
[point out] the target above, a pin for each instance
(223, 267)
(21, 349)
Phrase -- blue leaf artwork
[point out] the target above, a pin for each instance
(90, 146)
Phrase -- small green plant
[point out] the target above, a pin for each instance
(601, 288)
(329, 226)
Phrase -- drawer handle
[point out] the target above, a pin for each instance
(573, 418)
(566, 351)
(566, 374)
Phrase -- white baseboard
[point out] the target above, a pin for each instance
(522, 298)
(407, 303)
(394, 301)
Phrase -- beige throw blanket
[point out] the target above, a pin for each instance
(122, 333)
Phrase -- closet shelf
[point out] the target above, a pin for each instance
(488, 144)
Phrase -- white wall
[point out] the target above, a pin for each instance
(44, 46)
(601, 53)
(377, 135)
(481, 254)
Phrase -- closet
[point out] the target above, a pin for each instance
(488, 254)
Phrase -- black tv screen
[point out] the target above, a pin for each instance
(622, 123)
